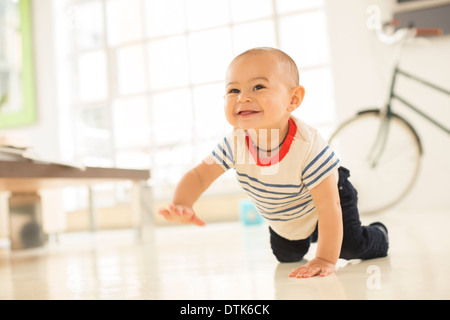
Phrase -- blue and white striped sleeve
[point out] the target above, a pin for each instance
(320, 163)
(223, 152)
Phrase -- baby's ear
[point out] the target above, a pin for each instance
(297, 95)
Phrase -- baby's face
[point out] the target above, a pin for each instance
(258, 93)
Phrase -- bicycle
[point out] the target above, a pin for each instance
(380, 146)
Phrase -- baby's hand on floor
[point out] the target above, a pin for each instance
(181, 214)
(314, 267)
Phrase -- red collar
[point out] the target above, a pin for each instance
(280, 155)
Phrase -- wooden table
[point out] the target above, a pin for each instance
(32, 177)
(23, 176)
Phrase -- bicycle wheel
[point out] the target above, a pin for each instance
(383, 155)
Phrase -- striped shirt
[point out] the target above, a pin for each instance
(280, 186)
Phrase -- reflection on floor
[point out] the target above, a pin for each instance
(226, 261)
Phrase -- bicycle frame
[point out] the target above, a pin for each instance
(383, 132)
(394, 95)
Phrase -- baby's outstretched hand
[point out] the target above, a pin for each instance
(181, 214)
(314, 267)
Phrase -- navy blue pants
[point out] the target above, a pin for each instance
(359, 242)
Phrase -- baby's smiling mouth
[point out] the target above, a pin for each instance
(246, 113)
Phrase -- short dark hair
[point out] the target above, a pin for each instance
(280, 55)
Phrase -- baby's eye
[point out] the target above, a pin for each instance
(258, 87)
(233, 91)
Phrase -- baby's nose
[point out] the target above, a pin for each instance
(244, 97)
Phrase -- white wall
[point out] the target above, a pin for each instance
(43, 134)
(51, 135)
(361, 67)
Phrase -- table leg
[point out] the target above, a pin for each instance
(141, 205)
(92, 209)
(4, 215)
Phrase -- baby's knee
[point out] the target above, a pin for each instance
(285, 257)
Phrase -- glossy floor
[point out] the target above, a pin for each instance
(226, 261)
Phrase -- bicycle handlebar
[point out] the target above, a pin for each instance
(404, 34)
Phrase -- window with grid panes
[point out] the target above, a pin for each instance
(148, 75)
